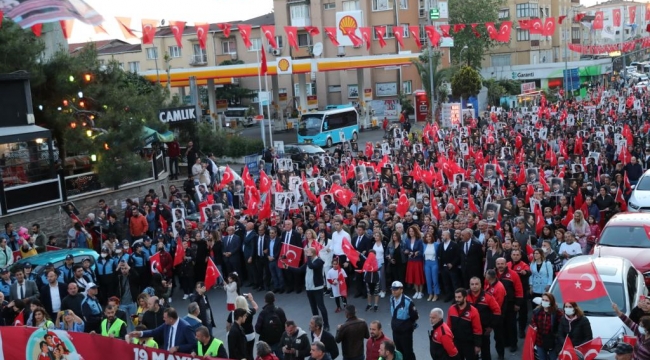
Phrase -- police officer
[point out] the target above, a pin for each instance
(42, 280)
(88, 271)
(120, 254)
(139, 262)
(91, 309)
(29, 275)
(465, 323)
(207, 345)
(112, 326)
(5, 283)
(403, 320)
(65, 271)
(105, 268)
(441, 339)
(489, 313)
(147, 249)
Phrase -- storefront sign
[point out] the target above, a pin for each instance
(222, 105)
(367, 94)
(312, 102)
(517, 75)
(528, 87)
(176, 115)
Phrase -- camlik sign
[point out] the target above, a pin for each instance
(176, 115)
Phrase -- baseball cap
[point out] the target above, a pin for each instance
(4, 271)
(138, 244)
(91, 285)
(396, 285)
(118, 246)
(49, 265)
(623, 349)
(85, 259)
(69, 257)
(27, 265)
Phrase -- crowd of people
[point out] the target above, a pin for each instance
(482, 214)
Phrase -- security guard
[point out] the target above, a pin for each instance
(65, 270)
(91, 309)
(146, 342)
(112, 326)
(403, 321)
(208, 345)
(441, 339)
(29, 275)
(105, 270)
(5, 283)
(88, 271)
(120, 254)
(489, 313)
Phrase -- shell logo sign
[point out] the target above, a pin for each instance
(347, 22)
(284, 66)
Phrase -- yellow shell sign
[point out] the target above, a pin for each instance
(283, 65)
(347, 22)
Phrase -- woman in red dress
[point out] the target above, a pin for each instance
(415, 266)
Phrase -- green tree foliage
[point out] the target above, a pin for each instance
(494, 91)
(440, 76)
(21, 51)
(223, 143)
(466, 82)
(473, 12)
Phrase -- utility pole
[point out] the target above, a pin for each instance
(621, 45)
(430, 56)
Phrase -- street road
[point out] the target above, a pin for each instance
(290, 137)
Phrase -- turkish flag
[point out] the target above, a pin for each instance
(471, 205)
(343, 286)
(432, 34)
(292, 36)
(381, 32)
(535, 26)
(269, 33)
(264, 68)
(528, 351)
(581, 283)
(370, 265)
(265, 213)
(434, 207)
(365, 35)
(398, 32)
(579, 17)
(626, 183)
(312, 30)
(616, 14)
(154, 260)
(621, 200)
(178, 27)
(125, 26)
(504, 31)
(647, 12)
(476, 33)
(20, 319)
(524, 24)
(591, 348)
(415, 32)
(445, 30)
(202, 34)
(225, 27)
(180, 252)
(521, 179)
(491, 30)
(647, 230)
(632, 10)
(37, 29)
(579, 200)
(148, 31)
(212, 274)
(561, 18)
(331, 34)
(265, 182)
(568, 352)
(289, 255)
(597, 23)
(539, 219)
(459, 27)
(350, 252)
(245, 32)
(549, 26)
(341, 195)
(66, 26)
(452, 201)
(402, 204)
(163, 222)
(228, 176)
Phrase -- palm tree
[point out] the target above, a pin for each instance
(440, 76)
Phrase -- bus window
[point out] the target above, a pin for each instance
(325, 125)
(310, 124)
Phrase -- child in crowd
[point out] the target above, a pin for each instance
(336, 278)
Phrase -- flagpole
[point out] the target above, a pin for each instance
(268, 107)
(259, 95)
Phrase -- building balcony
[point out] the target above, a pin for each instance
(199, 59)
(302, 52)
(301, 21)
(226, 57)
(534, 43)
(297, 1)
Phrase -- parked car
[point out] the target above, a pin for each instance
(625, 236)
(624, 284)
(301, 153)
(57, 258)
(640, 197)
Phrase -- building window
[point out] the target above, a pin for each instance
(152, 53)
(256, 45)
(575, 33)
(403, 4)
(304, 40)
(329, 6)
(121, 65)
(228, 47)
(389, 32)
(381, 5)
(174, 51)
(134, 66)
(200, 55)
(527, 10)
(351, 5)
(311, 89)
(500, 60)
(504, 14)
(278, 41)
(299, 15)
(523, 35)
(407, 87)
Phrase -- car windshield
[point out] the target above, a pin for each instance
(310, 124)
(311, 149)
(235, 113)
(625, 236)
(601, 306)
(644, 183)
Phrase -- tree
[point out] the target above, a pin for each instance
(466, 82)
(439, 75)
(21, 51)
(494, 91)
(472, 12)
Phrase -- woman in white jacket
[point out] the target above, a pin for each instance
(580, 228)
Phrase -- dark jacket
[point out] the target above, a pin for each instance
(315, 264)
(204, 308)
(69, 302)
(152, 320)
(133, 280)
(236, 342)
(330, 343)
(351, 335)
(248, 244)
(299, 342)
(579, 331)
(46, 300)
(261, 320)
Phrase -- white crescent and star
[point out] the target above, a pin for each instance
(592, 279)
(592, 351)
(200, 32)
(154, 266)
(290, 252)
(175, 29)
(566, 354)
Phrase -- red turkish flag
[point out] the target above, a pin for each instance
(539, 219)
(341, 195)
(331, 34)
(535, 26)
(528, 351)
(504, 31)
(458, 28)
(154, 261)
(432, 34)
(476, 33)
(225, 27)
(568, 352)
(163, 222)
(581, 283)
(269, 33)
(148, 31)
(265, 213)
(265, 182)
(597, 24)
(647, 12)
(632, 10)
(365, 35)
(579, 200)
(471, 205)
(66, 26)
(398, 32)
(37, 29)
(524, 24)
(228, 176)
(343, 286)
(591, 348)
(2, 14)
(202, 34)
(452, 201)
(549, 26)
(264, 68)
(290, 255)
(445, 30)
(402, 204)
(212, 274)
(616, 14)
(350, 32)
(561, 18)
(125, 26)
(245, 32)
(370, 265)
(415, 32)
(292, 36)
(647, 230)
(20, 318)
(178, 27)
(350, 252)
(621, 200)
(381, 32)
(491, 30)
(312, 30)
(180, 252)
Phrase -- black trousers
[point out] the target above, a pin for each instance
(291, 280)
(509, 325)
(262, 276)
(466, 350)
(498, 331)
(317, 303)
(485, 347)
(522, 314)
(252, 272)
(450, 280)
(404, 343)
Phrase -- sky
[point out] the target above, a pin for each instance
(211, 11)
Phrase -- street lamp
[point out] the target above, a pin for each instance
(461, 96)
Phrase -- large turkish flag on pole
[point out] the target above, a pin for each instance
(581, 283)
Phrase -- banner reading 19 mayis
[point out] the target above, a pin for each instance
(29, 343)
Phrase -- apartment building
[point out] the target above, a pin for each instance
(618, 24)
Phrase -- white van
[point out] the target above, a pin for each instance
(238, 115)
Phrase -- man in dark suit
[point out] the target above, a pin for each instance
(249, 240)
(449, 260)
(471, 257)
(232, 251)
(23, 289)
(272, 250)
(291, 237)
(176, 333)
(362, 243)
(320, 334)
(58, 289)
(260, 261)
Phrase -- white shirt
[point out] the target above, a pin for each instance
(573, 249)
(379, 250)
(20, 287)
(337, 241)
(429, 252)
(56, 298)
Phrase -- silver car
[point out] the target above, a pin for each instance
(640, 198)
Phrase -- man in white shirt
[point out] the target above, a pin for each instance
(337, 238)
(52, 294)
(569, 248)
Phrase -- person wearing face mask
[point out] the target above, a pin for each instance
(120, 254)
(546, 319)
(105, 269)
(640, 330)
(574, 324)
(551, 256)
(641, 310)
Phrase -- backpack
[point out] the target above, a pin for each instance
(272, 327)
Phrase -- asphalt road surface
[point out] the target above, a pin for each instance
(290, 137)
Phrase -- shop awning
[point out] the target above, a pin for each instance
(150, 136)
(12, 134)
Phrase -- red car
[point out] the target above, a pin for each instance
(625, 235)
